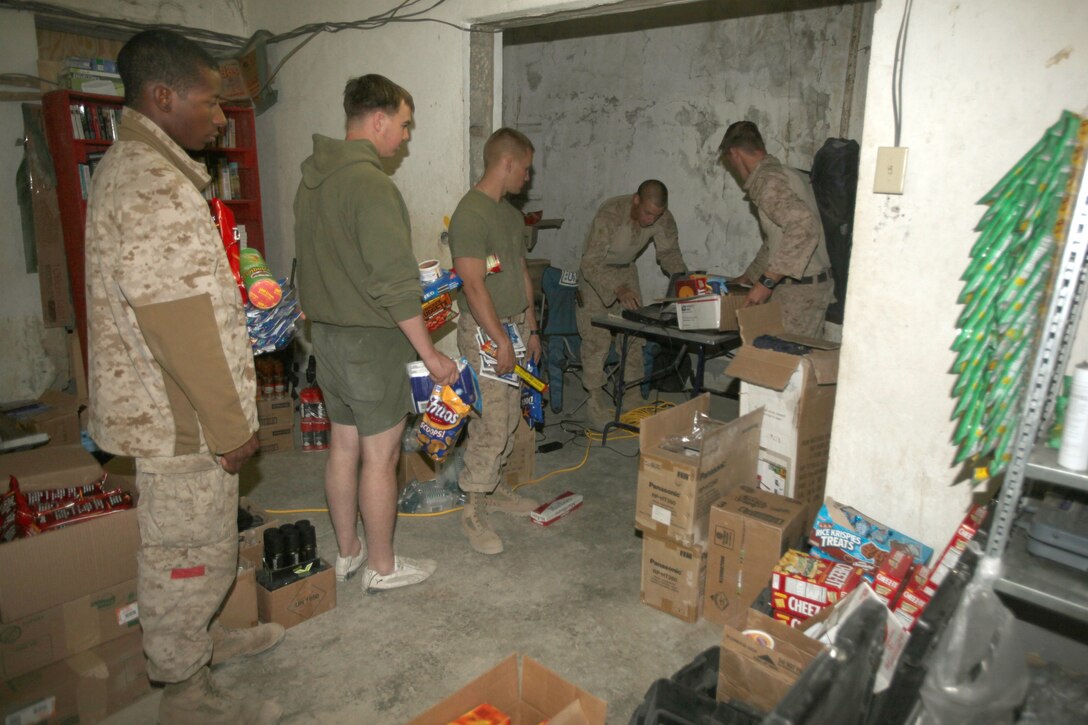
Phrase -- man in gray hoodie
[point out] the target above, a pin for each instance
(359, 287)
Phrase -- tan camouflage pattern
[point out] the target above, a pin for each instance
(803, 306)
(188, 558)
(150, 244)
(793, 241)
(490, 433)
(793, 236)
(614, 242)
(595, 344)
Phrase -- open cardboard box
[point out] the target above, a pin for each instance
(536, 696)
(797, 394)
(55, 413)
(758, 674)
(676, 490)
(60, 566)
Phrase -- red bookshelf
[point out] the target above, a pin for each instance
(80, 127)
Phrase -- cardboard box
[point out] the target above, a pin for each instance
(276, 413)
(759, 675)
(536, 696)
(84, 688)
(297, 602)
(673, 577)
(675, 489)
(797, 393)
(276, 440)
(46, 637)
(55, 413)
(49, 467)
(710, 312)
(239, 609)
(803, 585)
(749, 530)
(845, 534)
(60, 566)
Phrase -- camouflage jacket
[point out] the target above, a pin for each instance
(793, 236)
(616, 240)
(170, 365)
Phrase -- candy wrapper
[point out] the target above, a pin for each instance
(532, 399)
(272, 329)
(442, 422)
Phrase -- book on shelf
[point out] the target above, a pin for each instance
(94, 122)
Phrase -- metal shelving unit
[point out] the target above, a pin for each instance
(1036, 580)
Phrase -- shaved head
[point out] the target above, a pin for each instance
(506, 142)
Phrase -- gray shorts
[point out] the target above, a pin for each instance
(361, 371)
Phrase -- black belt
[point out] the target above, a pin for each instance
(814, 279)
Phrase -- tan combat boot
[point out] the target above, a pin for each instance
(229, 644)
(481, 537)
(509, 501)
(197, 700)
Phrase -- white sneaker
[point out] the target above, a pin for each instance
(405, 573)
(346, 566)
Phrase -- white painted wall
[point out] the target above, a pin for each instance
(983, 80)
(609, 110)
(25, 368)
(33, 358)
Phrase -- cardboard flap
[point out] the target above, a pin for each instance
(737, 443)
(549, 693)
(772, 369)
(657, 427)
(498, 686)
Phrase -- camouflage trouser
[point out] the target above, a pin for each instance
(188, 515)
(804, 306)
(595, 344)
(490, 433)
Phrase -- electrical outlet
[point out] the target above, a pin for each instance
(891, 170)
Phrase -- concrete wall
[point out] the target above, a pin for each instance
(614, 102)
(983, 80)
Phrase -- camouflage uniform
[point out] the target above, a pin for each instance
(171, 380)
(615, 240)
(793, 244)
(480, 226)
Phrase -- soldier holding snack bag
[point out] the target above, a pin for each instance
(487, 240)
(359, 286)
(171, 372)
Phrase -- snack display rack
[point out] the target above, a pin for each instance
(1038, 581)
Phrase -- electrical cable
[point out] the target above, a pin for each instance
(897, 70)
(632, 417)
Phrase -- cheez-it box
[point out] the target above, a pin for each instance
(818, 581)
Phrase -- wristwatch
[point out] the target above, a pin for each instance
(767, 282)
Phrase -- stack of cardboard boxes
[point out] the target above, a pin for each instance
(70, 643)
(717, 517)
(276, 417)
(676, 488)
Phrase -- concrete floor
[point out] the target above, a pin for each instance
(566, 595)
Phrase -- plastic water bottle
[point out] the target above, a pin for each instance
(1073, 453)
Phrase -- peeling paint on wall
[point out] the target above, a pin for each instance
(618, 108)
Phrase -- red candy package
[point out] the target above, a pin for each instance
(224, 222)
